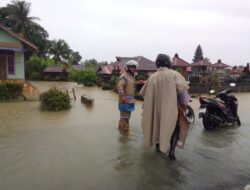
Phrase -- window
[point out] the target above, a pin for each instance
(11, 65)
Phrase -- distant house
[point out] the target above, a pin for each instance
(59, 73)
(238, 71)
(145, 65)
(55, 73)
(13, 49)
(105, 70)
(200, 67)
(221, 69)
(181, 66)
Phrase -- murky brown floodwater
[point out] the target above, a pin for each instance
(82, 149)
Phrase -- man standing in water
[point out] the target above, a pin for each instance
(160, 112)
(126, 90)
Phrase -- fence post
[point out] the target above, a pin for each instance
(73, 90)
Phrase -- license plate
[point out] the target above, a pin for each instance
(202, 111)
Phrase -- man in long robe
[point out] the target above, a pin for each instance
(160, 110)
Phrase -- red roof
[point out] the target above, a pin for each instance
(178, 62)
(144, 63)
(219, 64)
(106, 69)
(201, 63)
(30, 44)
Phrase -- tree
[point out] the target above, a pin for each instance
(5, 19)
(16, 17)
(59, 51)
(18, 12)
(198, 54)
(75, 58)
(91, 63)
(39, 36)
(37, 64)
(207, 60)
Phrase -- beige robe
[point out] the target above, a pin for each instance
(160, 110)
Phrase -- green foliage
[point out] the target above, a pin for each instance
(87, 77)
(36, 76)
(39, 36)
(198, 54)
(10, 91)
(16, 16)
(76, 76)
(207, 60)
(75, 58)
(91, 64)
(18, 12)
(37, 64)
(54, 100)
(59, 51)
(141, 76)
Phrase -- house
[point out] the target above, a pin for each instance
(221, 69)
(13, 50)
(57, 73)
(201, 67)
(236, 73)
(145, 65)
(105, 70)
(181, 66)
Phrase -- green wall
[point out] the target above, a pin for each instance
(19, 56)
(19, 67)
(5, 37)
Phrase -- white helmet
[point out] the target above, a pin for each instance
(131, 63)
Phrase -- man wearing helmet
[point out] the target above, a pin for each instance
(126, 90)
(160, 112)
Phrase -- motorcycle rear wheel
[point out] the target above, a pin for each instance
(208, 123)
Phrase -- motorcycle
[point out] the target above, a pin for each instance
(190, 114)
(220, 110)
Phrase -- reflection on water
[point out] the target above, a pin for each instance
(82, 149)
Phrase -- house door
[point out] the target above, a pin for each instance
(3, 74)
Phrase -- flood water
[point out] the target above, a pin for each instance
(82, 149)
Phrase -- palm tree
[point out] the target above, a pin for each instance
(59, 51)
(18, 12)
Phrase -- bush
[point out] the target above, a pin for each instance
(141, 76)
(54, 100)
(37, 64)
(87, 77)
(10, 91)
(35, 76)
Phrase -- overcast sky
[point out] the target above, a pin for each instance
(104, 29)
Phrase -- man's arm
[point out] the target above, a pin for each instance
(181, 83)
(121, 89)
